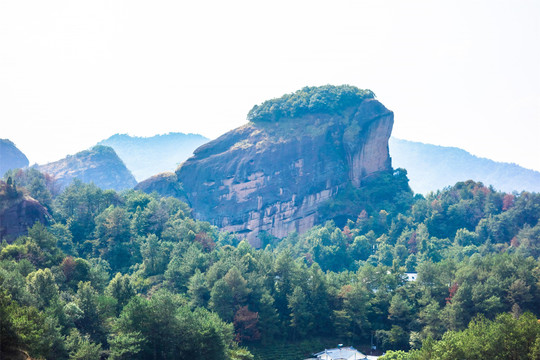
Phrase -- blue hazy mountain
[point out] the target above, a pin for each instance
(431, 167)
(147, 156)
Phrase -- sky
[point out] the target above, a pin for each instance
(461, 73)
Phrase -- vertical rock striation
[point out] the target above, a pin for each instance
(272, 176)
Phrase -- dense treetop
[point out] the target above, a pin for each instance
(132, 276)
(309, 100)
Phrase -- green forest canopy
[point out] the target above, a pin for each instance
(309, 100)
(133, 276)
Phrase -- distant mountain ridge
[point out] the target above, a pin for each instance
(11, 157)
(148, 156)
(100, 165)
(431, 167)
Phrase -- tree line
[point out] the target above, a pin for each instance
(132, 276)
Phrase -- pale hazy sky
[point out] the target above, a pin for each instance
(455, 73)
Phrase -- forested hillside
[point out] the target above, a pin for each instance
(133, 276)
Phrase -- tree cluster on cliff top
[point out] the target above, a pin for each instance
(309, 100)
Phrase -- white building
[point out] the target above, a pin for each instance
(411, 276)
(341, 353)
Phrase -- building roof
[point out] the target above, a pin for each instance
(347, 353)
(411, 276)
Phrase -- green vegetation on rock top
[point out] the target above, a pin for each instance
(309, 100)
(98, 150)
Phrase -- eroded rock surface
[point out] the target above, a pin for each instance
(273, 177)
(18, 212)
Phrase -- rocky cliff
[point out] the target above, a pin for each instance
(18, 212)
(99, 165)
(11, 157)
(294, 154)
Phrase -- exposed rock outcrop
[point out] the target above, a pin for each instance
(273, 173)
(18, 212)
(165, 184)
(11, 157)
(99, 165)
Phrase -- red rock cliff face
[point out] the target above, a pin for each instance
(273, 177)
(19, 213)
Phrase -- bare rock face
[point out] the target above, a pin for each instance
(11, 157)
(18, 212)
(272, 176)
(99, 165)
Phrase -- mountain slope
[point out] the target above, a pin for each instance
(431, 167)
(148, 156)
(11, 157)
(99, 165)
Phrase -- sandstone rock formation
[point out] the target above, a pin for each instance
(273, 175)
(11, 157)
(99, 165)
(18, 212)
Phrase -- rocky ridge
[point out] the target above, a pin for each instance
(99, 165)
(273, 176)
